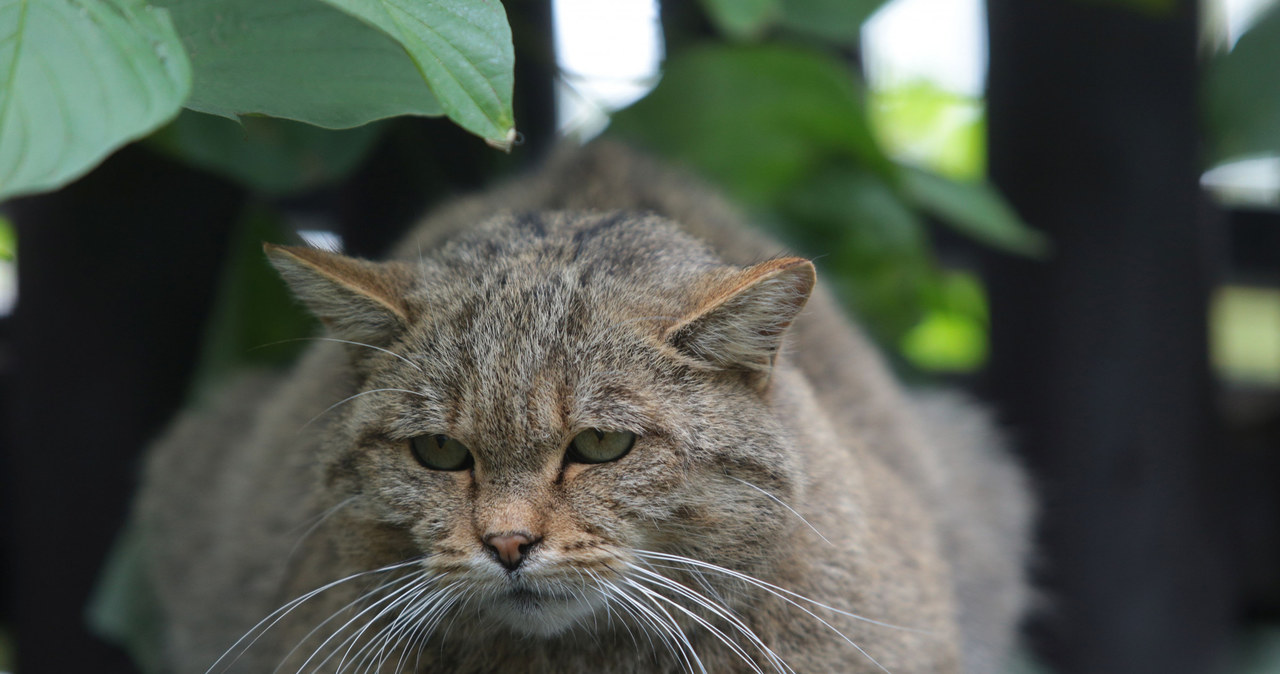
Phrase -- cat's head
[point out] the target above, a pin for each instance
(549, 396)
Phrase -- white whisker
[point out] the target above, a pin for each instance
(721, 611)
(679, 641)
(320, 519)
(721, 636)
(353, 397)
(784, 505)
(284, 610)
(391, 599)
(782, 594)
(764, 585)
(343, 341)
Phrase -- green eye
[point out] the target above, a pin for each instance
(440, 452)
(597, 446)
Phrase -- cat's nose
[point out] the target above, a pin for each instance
(510, 549)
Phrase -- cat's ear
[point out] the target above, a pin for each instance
(358, 300)
(741, 320)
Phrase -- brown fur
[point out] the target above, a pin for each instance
(601, 293)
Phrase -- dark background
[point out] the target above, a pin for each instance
(1160, 536)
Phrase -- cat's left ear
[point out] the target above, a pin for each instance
(741, 320)
(357, 300)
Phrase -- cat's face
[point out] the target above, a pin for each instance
(539, 425)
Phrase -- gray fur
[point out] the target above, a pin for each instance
(605, 293)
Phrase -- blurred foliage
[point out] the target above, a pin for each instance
(125, 609)
(952, 336)
(925, 125)
(1150, 7)
(272, 156)
(800, 153)
(8, 240)
(1242, 94)
(1244, 331)
(837, 21)
(742, 19)
(255, 321)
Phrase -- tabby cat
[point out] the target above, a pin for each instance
(586, 422)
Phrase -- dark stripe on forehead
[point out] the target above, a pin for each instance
(533, 222)
(600, 226)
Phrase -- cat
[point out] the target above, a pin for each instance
(585, 422)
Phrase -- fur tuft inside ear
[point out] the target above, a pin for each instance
(742, 321)
(356, 299)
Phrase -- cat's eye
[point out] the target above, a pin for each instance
(597, 446)
(440, 452)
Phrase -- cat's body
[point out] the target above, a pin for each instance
(513, 322)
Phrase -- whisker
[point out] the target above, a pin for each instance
(288, 607)
(316, 525)
(340, 341)
(784, 505)
(382, 639)
(350, 605)
(434, 613)
(408, 622)
(764, 585)
(391, 599)
(678, 642)
(654, 596)
(782, 594)
(353, 397)
(720, 611)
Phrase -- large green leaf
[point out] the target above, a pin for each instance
(274, 156)
(974, 208)
(463, 48)
(742, 19)
(756, 119)
(79, 78)
(1242, 94)
(296, 59)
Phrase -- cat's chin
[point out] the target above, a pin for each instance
(540, 615)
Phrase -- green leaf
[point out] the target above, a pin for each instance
(463, 49)
(757, 119)
(975, 209)
(255, 321)
(273, 156)
(79, 78)
(868, 240)
(8, 240)
(838, 21)
(296, 59)
(1242, 94)
(922, 124)
(742, 19)
(1155, 8)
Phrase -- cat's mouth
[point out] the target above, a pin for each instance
(527, 595)
(539, 611)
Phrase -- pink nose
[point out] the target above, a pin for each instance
(511, 548)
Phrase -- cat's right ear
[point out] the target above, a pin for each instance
(740, 320)
(356, 299)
